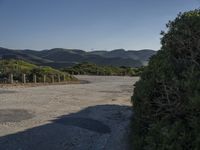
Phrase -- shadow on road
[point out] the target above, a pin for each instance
(87, 129)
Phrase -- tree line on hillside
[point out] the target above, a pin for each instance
(87, 68)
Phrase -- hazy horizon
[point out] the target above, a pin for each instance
(86, 50)
(88, 25)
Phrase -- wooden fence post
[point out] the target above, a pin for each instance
(23, 78)
(34, 78)
(11, 78)
(44, 78)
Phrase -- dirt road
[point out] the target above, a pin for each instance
(92, 116)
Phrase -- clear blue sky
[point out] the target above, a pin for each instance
(87, 24)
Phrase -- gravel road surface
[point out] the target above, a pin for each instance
(93, 116)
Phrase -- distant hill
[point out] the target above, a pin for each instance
(61, 58)
(140, 55)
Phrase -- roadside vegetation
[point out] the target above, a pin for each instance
(19, 67)
(166, 100)
(93, 69)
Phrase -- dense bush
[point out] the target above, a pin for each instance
(166, 100)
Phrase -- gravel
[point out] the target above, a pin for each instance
(92, 116)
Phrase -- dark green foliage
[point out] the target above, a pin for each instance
(166, 100)
(93, 69)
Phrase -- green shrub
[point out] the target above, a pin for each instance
(166, 100)
(93, 69)
(19, 67)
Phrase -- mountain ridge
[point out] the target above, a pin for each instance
(62, 58)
